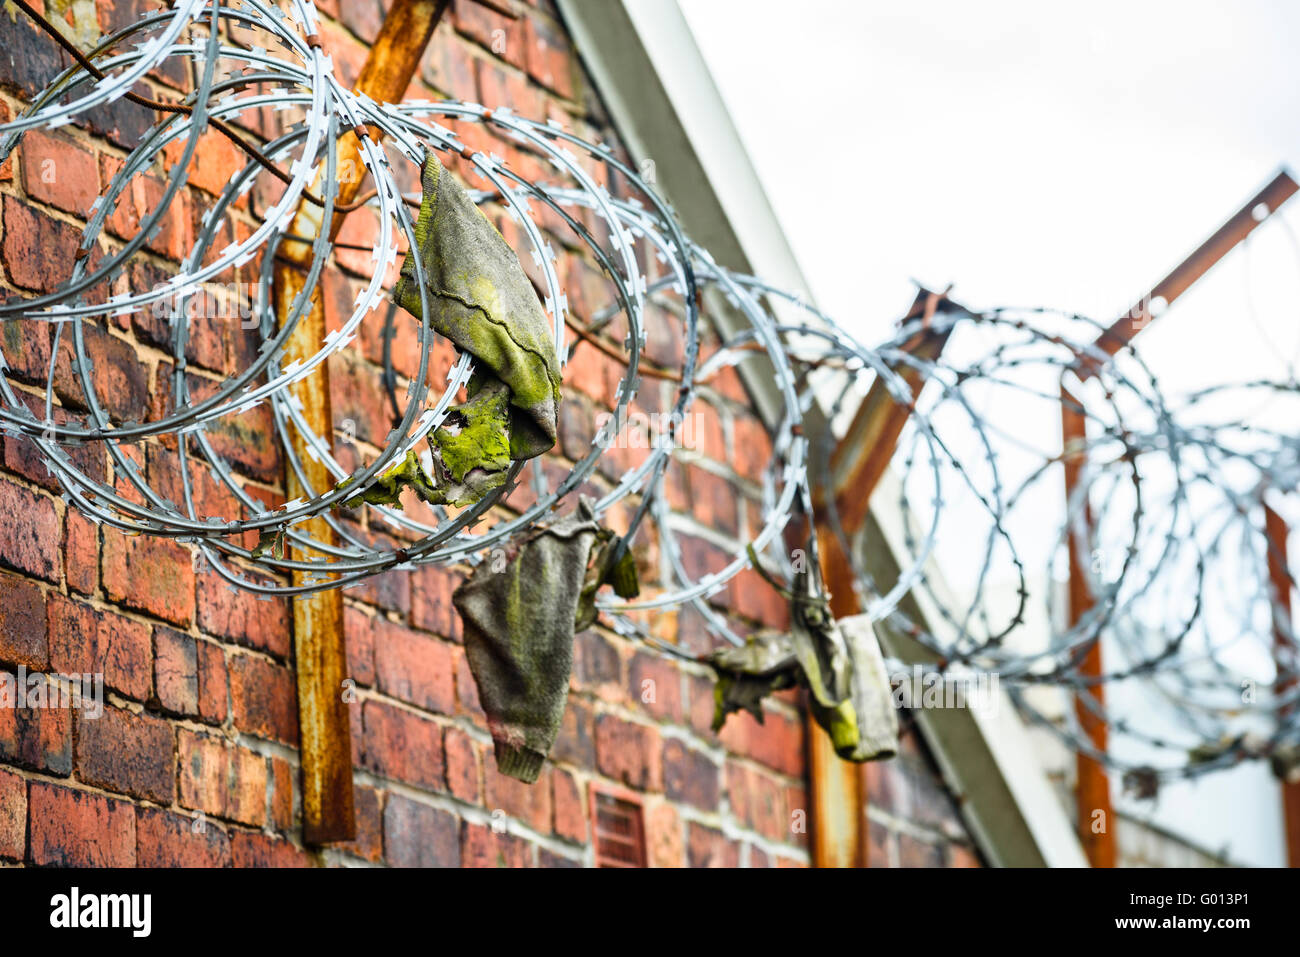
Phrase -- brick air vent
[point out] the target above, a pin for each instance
(616, 822)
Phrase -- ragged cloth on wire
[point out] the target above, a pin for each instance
(839, 662)
(519, 622)
(479, 298)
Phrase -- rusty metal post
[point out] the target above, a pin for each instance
(1092, 785)
(320, 649)
(838, 798)
(1276, 531)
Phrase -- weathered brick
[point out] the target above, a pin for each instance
(402, 745)
(259, 850)
(690, 776)
(706, 847)
(263, 698)
(80, 552)
(360, 631)
(213, 683)
(29, 60)
(497, 84)
(151, 574)
(175, 232)
(72, 828)
(570, 809)
(663, 836)
(448, 67)
(576, 741)
(499, 34)
(414, 668)
(481, 846)
(29, 536)
(529, 803)
(221, 779)
(13, 816)
(629, 753)
(242, 617)
(176, 671)
(758, 801)
(390, 590)
(416, 835)
(59, 172)
(167, 839)
(87, 640)
(656, 684)
(118, 376)
(550, 58)
(27, 348)
(38, 250)
(23, 632)
(128, 753)
(368, 811)
(597, 663)
(463, 765)
(214, 161)
(37, 738)
(282, 777)
(431, 607)
(204, 776)
(467, 702)
(777, 742)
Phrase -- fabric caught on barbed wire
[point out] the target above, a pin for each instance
(519, 619)
(840, 664)
(481, 299)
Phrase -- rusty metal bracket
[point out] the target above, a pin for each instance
(320, 647)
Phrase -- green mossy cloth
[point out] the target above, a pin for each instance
(483, 302)
(519, 622)
(838, 662)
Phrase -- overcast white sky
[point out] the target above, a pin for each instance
(1035, 154)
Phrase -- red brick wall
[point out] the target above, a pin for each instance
(194, 760)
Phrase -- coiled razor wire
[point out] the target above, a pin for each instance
(1166, 514)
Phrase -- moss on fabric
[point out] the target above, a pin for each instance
(481, 299)
(838, 662)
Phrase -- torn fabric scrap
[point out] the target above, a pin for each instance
(481, 299)
(840, 664)
(519, 622)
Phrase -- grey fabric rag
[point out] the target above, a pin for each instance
(481, 299)
(838, 662)
(873, 700)
(519, 622)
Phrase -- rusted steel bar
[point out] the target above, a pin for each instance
(837, 795)
(861, 457)
(1093, 788)
(838, 800)
(320, 648)
(1258, 208)
(1276, 531)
